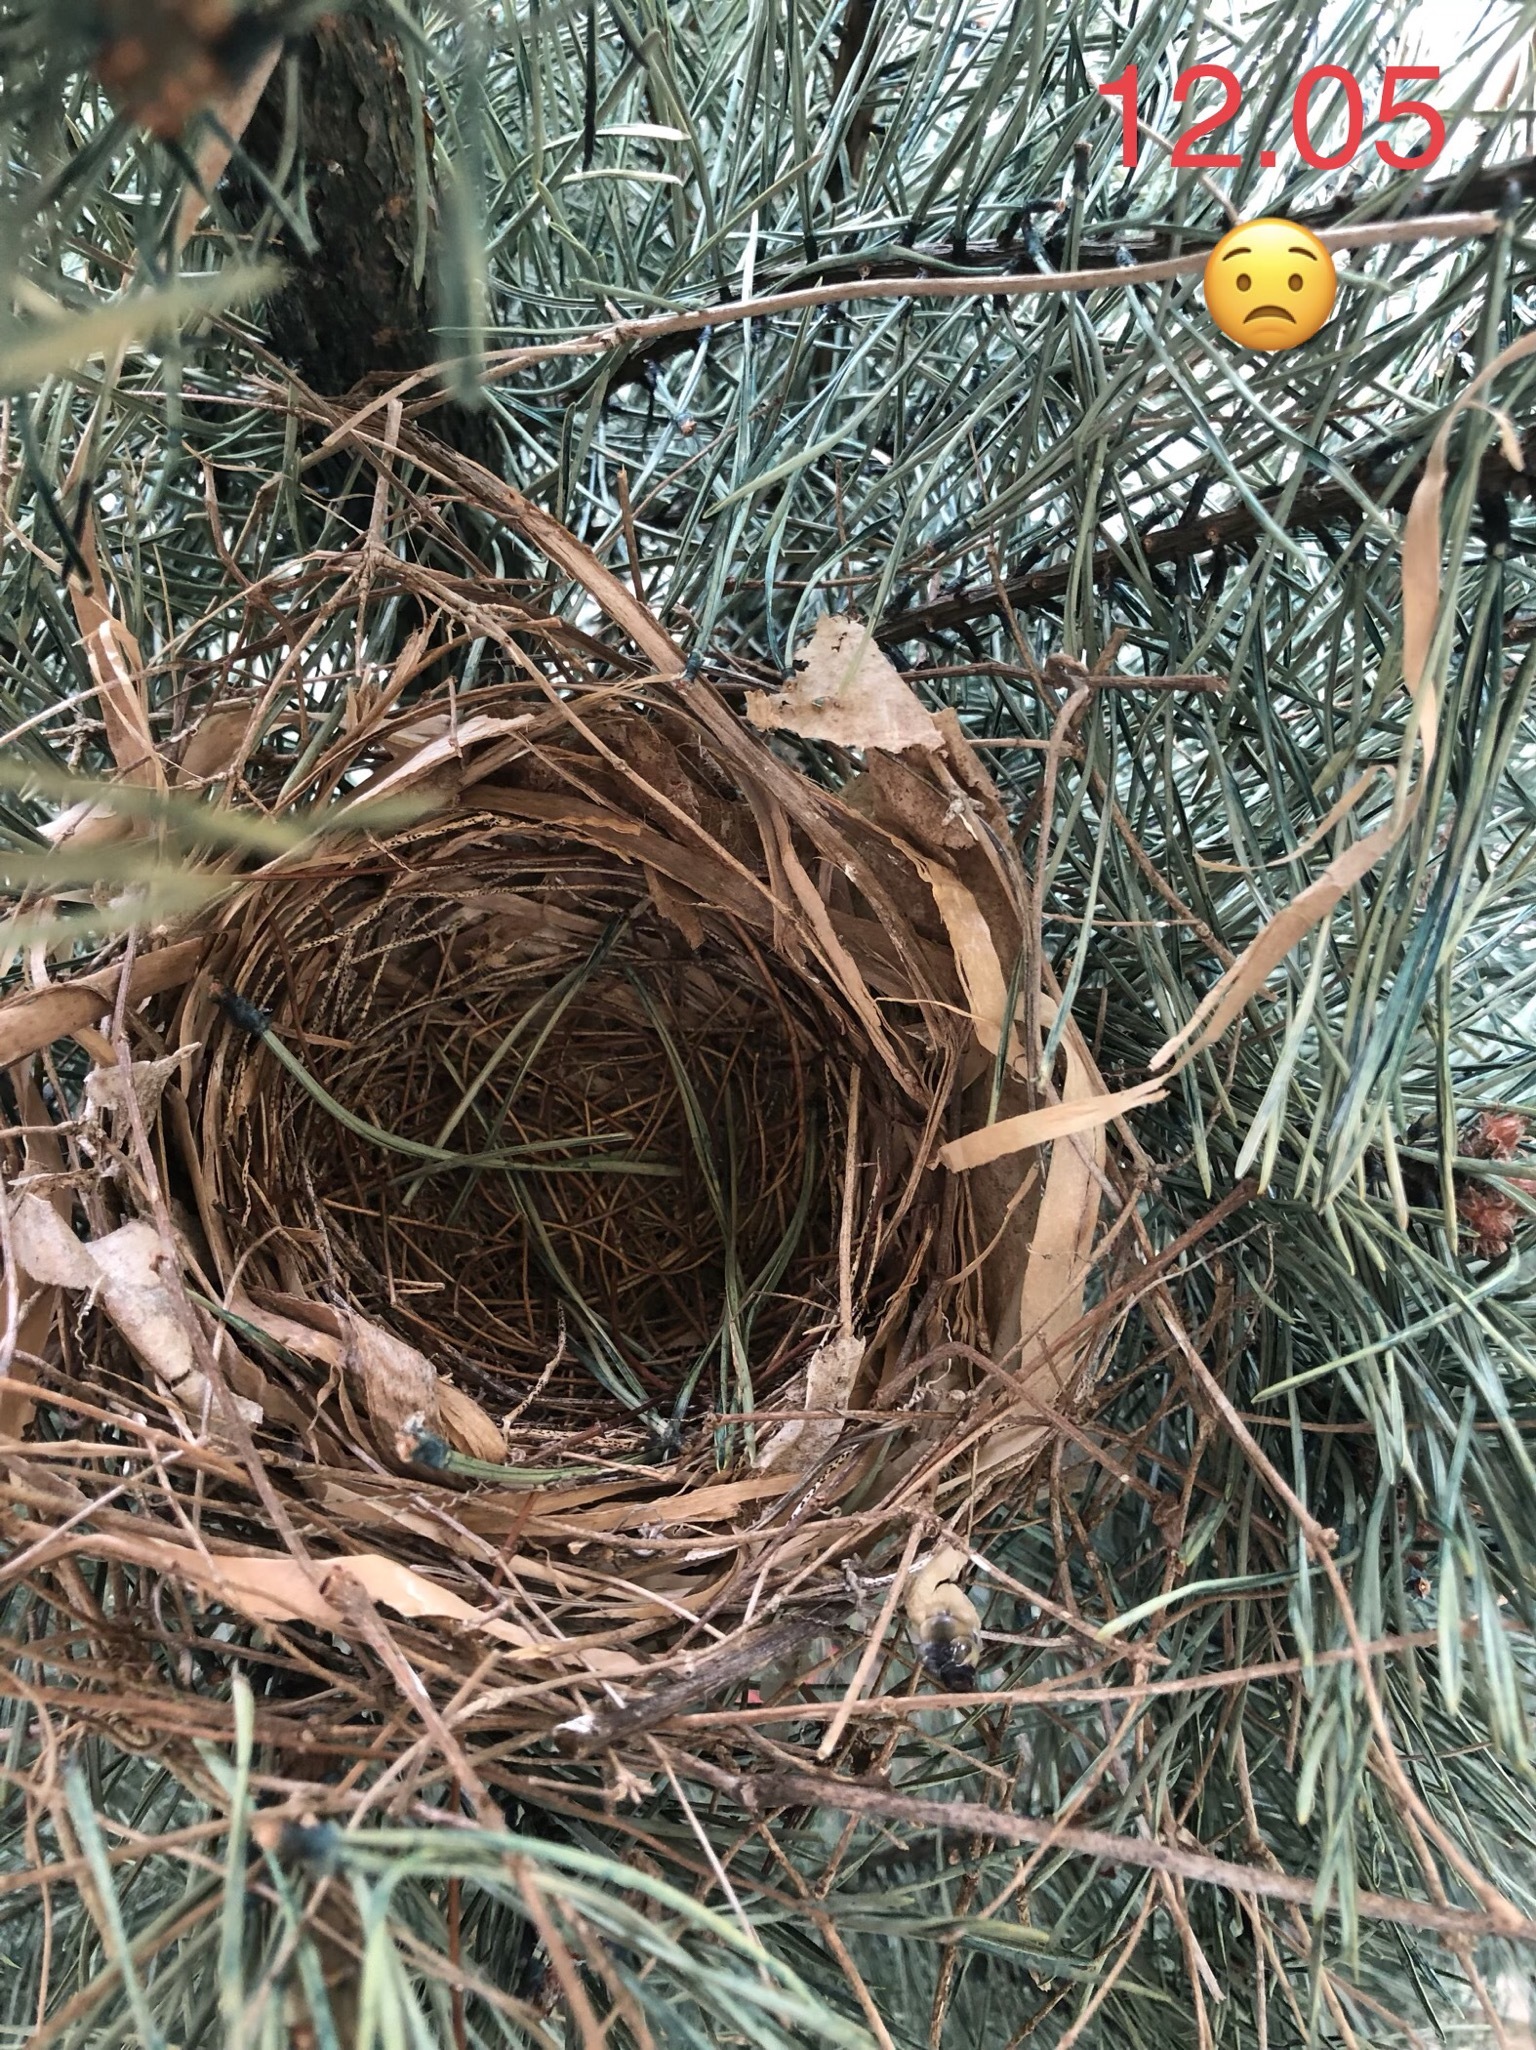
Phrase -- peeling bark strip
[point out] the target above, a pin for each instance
(583, 1736)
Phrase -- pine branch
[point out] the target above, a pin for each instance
(1383, 474)
(1106, 247)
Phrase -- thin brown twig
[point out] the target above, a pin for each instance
(760, 1791)
(1014, 285)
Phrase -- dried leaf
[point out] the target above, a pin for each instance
(105, 1089)
(1061, 1250)
(117, 669)
(140, 1303)
(846, 691)
(398, 1381)
(215, 746)
(578, 1512)
(578, 562)
(44, 1245)
(442, 752)
(122, 1272)
(466, 1426)
(839, 961)
(1262, 956)
(1509, 437)
(975, 951)
(1040, 1127)
(42, 1157)
(1341, 807)
(271, 1589)
(1050, 1295)
(292, 1332)
(87, 824)
(829, 1379)
(18, 1385)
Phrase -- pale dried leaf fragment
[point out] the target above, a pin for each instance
(846, 691)
(105, 1089)
(679, 909)
(216, 745)
(269, 1588)
(292, 1332)
(1290, 925)
(44, 1245)
(122, 1271)
(397, 1380)
(1050, 1297)
(829, 1379)
(976, 958)
(1060, 1255)
(1341, 807)
(466, 1426)
(1062, 1250)
(840, 962)
(87, 824)
(117, 669)
(438, 761)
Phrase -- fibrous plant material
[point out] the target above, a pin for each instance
(541, 1195)
(354, 1684)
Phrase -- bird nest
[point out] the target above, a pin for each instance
(631, 1111)
(578, 1199)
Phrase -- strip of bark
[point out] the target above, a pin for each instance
(730, 1666)
(1382, 474)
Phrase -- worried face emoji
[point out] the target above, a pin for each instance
(1269, 284)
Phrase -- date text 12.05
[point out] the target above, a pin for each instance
(1394, 106)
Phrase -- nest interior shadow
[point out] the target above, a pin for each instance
(641, 1128)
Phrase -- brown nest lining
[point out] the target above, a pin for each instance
(614, 1083)
(668, 1098)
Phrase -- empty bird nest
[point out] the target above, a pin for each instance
(578, 1216)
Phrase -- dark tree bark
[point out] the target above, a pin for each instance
(353, 307)
(352, 312)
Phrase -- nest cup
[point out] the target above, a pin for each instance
(582, 1097)
(644, 1091)
(669, 1110)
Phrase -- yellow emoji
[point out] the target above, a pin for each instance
(1269, 284)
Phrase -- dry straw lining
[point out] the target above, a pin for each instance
(467, 992)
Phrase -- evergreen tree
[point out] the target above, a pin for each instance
(346, 356)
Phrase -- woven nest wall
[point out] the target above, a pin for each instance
(584, 1197)
(513, 982)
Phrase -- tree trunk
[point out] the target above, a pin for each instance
(353, 312)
